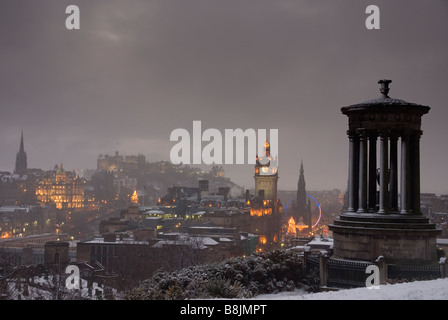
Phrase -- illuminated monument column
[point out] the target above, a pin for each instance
(383, 216)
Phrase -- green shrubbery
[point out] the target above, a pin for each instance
(241, 277)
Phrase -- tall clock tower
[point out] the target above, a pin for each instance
(265, 206)
(266, 175)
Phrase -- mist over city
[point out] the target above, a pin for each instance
(135, 72)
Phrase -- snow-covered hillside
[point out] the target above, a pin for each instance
(418, 290)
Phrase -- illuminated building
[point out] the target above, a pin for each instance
(119, 162)
(65, 191)
(266, 175)
(265, 207)
(134, 197)
(293, 227)
(22, 221)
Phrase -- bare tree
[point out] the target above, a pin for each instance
(183, 252)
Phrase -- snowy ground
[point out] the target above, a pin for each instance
(419, 290)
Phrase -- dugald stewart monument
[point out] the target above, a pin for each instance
(382, 217)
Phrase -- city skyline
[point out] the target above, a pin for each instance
(137, 70)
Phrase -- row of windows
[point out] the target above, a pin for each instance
(104, 250)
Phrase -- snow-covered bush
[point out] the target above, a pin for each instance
(240, 277)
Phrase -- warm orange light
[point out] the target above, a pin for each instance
(134, 197)
(259, 212)
(256, 212)
(262, 240)
(292, 226)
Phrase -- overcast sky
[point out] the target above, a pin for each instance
(138, 69)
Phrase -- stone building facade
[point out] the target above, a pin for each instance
(65, 190)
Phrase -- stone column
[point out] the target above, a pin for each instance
(372, 172)
(384, 179)
(362, 187)
(405, 174)
(415, 172)
(323, 269)
(393, 173)
(353, 172)
(381, 263)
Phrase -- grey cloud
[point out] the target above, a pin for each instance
(139, 69)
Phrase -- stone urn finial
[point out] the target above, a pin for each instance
(384, 87)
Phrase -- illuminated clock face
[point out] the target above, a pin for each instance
(264, 171)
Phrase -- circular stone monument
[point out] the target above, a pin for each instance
(383, 216)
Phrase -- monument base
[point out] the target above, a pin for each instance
(400, 239)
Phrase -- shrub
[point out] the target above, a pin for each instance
(234, 278)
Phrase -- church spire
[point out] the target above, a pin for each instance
(22, 149)
(301, 191)
(303, 206)
(21, 160)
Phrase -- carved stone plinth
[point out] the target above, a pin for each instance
(398, 238)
